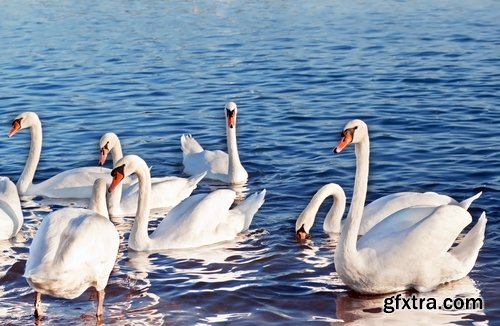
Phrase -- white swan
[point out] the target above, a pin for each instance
(197, 221)
(11, 215)
(408, 249)
(166, 192)
(73, 249)
(219, 165)
(74, 183)
(381, 208)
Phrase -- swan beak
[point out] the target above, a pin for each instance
(104, 155)
(16, 126)
(344, 141)
(118, 175)
(231, 118)
(302, 235)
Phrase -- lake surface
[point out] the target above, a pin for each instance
(424, 75)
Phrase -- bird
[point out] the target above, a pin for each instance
(411, 248)
(73, 249)
(73, 183)
(225, 167)
(197, 221)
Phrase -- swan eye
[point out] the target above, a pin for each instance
(106, 147)
(17, 123)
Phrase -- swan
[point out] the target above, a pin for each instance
(333, 220)
(166, 192)
(199, 220)
(381, 208)
(73, 249)
(219, 165)
(11, 215)
(73, 183)
(411, 248)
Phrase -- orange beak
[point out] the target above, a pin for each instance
(344, 141)
(16, 126)
(104, 155)
(231, 121)
(118, 176)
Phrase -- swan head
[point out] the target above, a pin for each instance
(231, 111)
(126, 166)
(22, 121)
(355, 131)
(301, 234)
(107, 142)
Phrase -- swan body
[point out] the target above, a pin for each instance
(166, 192)
(11, 215)
(199, 220)
(74, 183)
(411, 248)
(73, 249)
(225, 167)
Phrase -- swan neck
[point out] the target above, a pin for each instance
(26, 179)
(234, 157)
(114, 199)
(350, 232)
(334, 215)
(98, 202)
(116, 152)
(139, 238)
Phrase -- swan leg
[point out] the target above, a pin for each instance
(38, 305)
(100, 302)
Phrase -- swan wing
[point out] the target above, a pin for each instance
(193, 222)
(423, 241)
(383, 207)
(241, 216)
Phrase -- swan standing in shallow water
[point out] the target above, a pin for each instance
(409, 249)
(197, 221)
(11, 215)
(166, 192)
(74, 183)
(219, 165)
(73, 249)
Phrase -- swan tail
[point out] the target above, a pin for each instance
(466, 252)
(249, 207)
(189, 145)
(467, 202)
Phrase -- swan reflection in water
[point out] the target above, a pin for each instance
(352, 307)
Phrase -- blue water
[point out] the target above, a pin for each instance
(424, 75)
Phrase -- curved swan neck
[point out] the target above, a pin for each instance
(232, 150)
(349, 235)
(26, 179)
(98, 199)
(332, 220)
(116, 152)
(139, 238)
